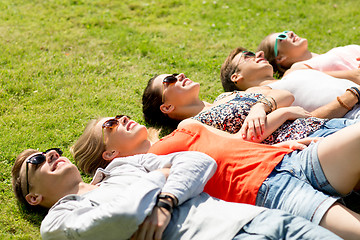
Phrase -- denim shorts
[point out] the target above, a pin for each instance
(276, 224)
(298, 185)
(333, 126)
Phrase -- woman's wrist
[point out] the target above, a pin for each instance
(268, 104)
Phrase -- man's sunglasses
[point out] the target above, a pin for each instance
(281, 36)
(248, 54)
(245, 55)
(38, 159)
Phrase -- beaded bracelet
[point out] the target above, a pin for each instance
(355, 91)
(343, 104)
(267, 103)
(275, 104)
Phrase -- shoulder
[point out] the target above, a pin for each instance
(188, 122)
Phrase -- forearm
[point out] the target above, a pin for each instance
(189, 172)
(334, 109)
(283, 98)
(273, 121)
(352, 75)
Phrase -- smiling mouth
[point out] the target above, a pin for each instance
(261, 60)
(57, 163)
(185, 81)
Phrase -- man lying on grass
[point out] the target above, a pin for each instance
(129, 200)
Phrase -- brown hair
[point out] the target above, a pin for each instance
(228, 68)
(268, 48)
(88, 149)
(17, 183)
(151, 101)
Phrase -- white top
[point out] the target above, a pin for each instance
(127, 193)
(313, 89)
(337, 59)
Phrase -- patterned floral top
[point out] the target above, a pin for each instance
(229, 116)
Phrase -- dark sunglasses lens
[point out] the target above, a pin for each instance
(282, 36)
(110, 123)
(170, 79)
(37, 159)
(249, 54)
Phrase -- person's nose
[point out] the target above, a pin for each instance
(260, 54)
(181, 77)
(123, 120)
(52, 156)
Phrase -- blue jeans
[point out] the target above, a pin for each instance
(298, 185)
(276, 224)
(333, 126)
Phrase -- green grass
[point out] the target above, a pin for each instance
(65, 62)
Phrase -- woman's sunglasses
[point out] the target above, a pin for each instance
(281, 36)
(38, 159)
(111, 123)
(171, 79)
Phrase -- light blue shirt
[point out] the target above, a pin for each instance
(127, 193)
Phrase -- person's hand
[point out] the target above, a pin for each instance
(298, 144)
(153, 226)
(165, 171)
(254, 124)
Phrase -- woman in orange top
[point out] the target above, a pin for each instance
(306, 183)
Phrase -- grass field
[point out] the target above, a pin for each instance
(64, 62)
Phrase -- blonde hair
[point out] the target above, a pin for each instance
(17, 183)
(88, 149)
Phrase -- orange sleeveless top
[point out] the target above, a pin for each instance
(242, 165)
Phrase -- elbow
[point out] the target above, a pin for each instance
(291, 98)
(212, 164)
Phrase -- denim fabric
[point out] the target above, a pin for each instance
(333, 126)
(299, 186)
(276, 224)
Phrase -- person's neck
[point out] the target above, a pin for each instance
(260, 82)
(78, 188)
(83, 188)
(306, 55)
(144, 147)
(190, 110)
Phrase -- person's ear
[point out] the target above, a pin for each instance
(237, 78)
(110, 155)
(167, 108)
(34, 199)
